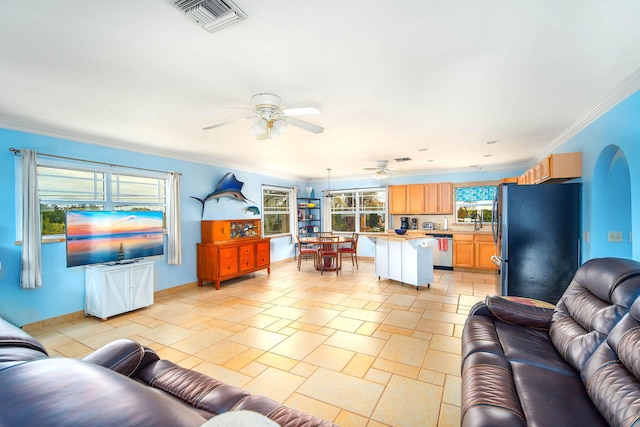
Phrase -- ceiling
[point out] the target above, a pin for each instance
(433, 81)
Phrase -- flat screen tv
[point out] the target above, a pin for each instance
(95, 237)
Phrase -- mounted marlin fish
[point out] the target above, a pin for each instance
(228, 186)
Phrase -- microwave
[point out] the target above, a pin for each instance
(427, 226)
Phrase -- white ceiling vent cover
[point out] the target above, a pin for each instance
(212, 15)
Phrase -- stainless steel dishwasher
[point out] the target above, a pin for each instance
(443, 253)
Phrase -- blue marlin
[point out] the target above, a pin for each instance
(228, 186)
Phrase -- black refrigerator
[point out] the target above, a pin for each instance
(537, 235)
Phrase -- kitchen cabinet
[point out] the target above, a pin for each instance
(554, 168)
(439, 198)
(433, 198)
(415, 198)
(309, 216)
(473, 251)
(116, 289)
(397, 199)
(484, 249)
(231, 248)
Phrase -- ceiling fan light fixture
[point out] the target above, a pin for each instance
(260, 127)
(381, 174)
(279, 127)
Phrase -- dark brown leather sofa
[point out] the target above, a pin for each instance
(121, 384)
(575, 365)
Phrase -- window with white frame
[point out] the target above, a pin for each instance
(277, 210)
(63, 188)
(474, 203)
(358, 211)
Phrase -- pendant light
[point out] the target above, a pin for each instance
(328, 193)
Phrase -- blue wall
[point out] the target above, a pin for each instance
(63, 288)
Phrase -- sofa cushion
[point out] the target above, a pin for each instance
(69, 392)
(601, 292)
(15, 344)
(612, 375)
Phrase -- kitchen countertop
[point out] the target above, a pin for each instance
(420, 232)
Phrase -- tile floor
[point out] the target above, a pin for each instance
(351, 349)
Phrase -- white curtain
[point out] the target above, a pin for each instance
(31, 272)
(293, 203)
(174, 223)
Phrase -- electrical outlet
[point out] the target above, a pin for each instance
(615, 237)
(585, 236)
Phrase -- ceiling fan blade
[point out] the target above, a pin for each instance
(305, 125)
(229, 121)
(300, 111)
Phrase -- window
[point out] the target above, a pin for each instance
(474, 203)
(358, 211)
(277, 205)
(64, 188)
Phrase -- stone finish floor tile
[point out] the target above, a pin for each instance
(398, 406)
(350, 348)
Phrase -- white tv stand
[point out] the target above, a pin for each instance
(116, 289)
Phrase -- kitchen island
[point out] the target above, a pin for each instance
(407, 259)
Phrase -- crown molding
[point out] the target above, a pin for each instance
(625, 89)
(57, 132)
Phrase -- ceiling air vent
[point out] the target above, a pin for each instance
(212, 15)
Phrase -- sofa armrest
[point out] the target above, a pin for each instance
(123, 356)
(514, 312)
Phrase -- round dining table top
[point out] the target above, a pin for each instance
(315, 240)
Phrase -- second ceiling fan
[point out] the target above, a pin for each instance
(272, 120)
(382, 170)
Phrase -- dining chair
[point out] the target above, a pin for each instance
(351, 250)
(324, 233)
(328, 250)
(306, 250)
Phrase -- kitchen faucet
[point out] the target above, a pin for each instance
(477, 226)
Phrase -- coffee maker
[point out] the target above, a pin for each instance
(404, 222)
(414, 224)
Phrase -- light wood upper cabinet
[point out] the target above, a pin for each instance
(436, 198)
(431, 197)
(397, 199)
(439, 198)
(415, 198)
(554, 167)
(445, 198)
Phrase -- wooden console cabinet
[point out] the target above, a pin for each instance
(231, 248)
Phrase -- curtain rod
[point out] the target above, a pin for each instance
(16, 151)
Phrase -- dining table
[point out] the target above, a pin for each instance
(316, 240)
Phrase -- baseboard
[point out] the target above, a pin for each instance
(78, 315)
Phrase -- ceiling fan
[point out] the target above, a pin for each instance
(381, 170)
(272, 119)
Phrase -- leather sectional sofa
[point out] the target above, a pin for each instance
(121, 384)
(575, 365)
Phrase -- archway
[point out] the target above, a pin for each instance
(611, 205)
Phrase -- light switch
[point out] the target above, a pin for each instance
(615, 236)
(585, 236)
